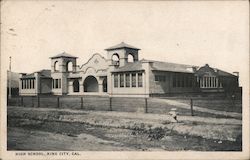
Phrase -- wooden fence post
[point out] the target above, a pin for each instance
(58, 102)
(81, 102)
(191, 105)
(146, 105)
(22, 101)
(110, 103)
(38, 101)
(32, 102)
(18, 102)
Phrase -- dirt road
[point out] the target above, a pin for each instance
(43, 129)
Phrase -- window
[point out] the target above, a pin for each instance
(121, 80)
(33, 83)
(133, 80)
(127, 80)
(56, 66)
(115, 59)
(115, 80)
(59, 83)
(22, 84)
(69, 66)
(183, 80)
(76, 86)
(190, 81)
(130, 58)
(30, 83)
(139, 79)
(56, 83)
(160, 78)
(174, 80)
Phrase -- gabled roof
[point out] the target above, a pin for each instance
(204, 69)
(122, 45)
(45, 73)
(64, 54)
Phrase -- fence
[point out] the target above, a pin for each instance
(142, 105)
(87, 103)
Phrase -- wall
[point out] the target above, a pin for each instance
(167, 86)
(46, 85)
(64, 87)
(29, 92)
(129, 91)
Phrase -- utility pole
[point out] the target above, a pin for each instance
(10, 78)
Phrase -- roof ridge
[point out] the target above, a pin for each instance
(167, 62)
(122, 45)
(63, 54)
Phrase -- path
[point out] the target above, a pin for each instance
(196, 108)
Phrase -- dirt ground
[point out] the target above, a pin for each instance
(62, 129)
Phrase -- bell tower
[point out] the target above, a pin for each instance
(61, 65)
(118, 55)
(63, 62)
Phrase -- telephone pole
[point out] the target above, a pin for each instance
(10, 78)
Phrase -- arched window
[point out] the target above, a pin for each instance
(69, 66)
(130, 58)
(56, 66)
(115, 59)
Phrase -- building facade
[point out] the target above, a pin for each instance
(123, 74)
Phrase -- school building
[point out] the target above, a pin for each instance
(122, 73)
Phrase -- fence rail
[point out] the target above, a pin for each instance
(143, 105)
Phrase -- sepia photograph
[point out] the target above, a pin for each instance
(146, 79)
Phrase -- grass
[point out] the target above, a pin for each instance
(130, 104)
(220, 104)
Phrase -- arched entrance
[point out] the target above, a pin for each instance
(90, 84)
(104, 85)
(76, 86)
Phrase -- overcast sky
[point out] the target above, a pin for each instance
(189, 32)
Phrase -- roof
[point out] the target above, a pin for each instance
(64, 54)
(202, 70)
(45, 73)
(173, 67)
(122, 45)
(223, 73)
(156, 66)
(32, 75)
(130, 66)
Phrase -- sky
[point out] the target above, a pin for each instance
(186, 32)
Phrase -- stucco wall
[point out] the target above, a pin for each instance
(137, 91)
(46, 85)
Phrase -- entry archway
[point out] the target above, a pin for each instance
(76, 86)
(90, 84)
